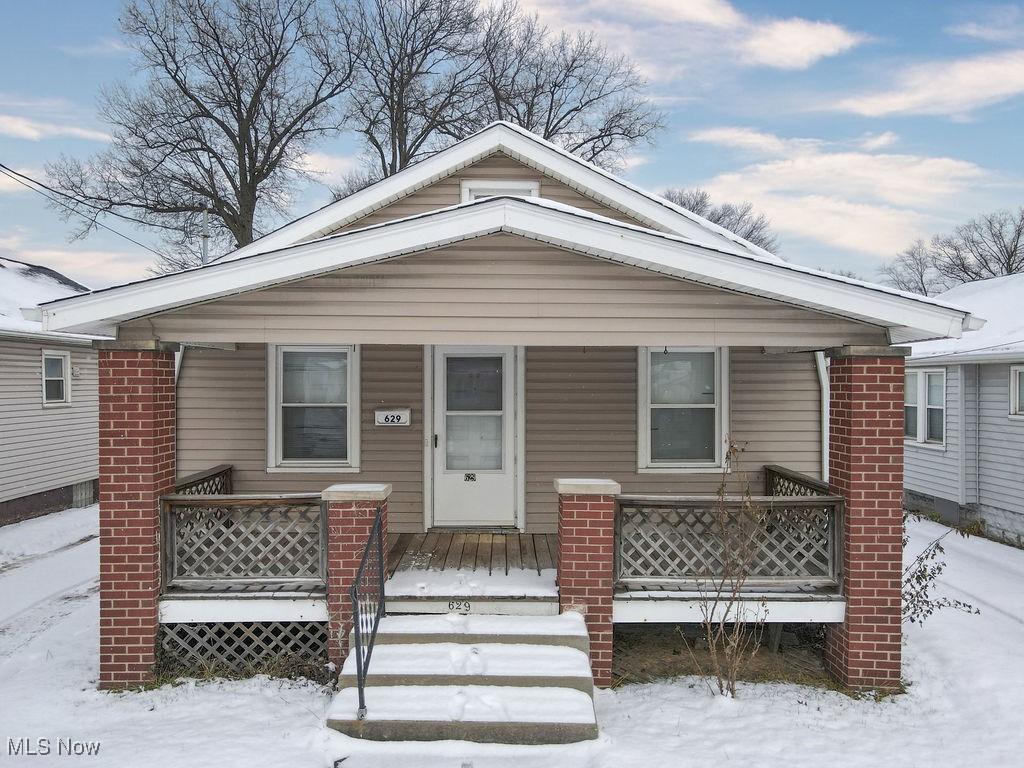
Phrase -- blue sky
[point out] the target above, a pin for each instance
(857, 127)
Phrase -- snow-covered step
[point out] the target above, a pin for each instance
(501, 664)
(498, 714)
(566, 629)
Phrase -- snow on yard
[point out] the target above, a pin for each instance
(962, 708)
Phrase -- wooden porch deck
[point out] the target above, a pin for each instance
(493, 553)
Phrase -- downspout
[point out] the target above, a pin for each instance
(822, 365)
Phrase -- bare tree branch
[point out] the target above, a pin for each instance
(739, 219)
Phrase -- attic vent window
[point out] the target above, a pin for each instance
(475, 189)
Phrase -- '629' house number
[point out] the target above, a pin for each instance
(392, 417)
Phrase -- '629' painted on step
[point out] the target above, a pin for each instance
(459, 606)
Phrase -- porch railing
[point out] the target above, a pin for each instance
(368, 605)
(689, 541)
(243, 541)
(780, 481)
(216, 480)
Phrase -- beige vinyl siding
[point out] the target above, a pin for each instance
(43, 448)
(222, 419)
(448, 191)
(581, 421)
(581, 412)
(501, 289)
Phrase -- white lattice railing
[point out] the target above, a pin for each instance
(691, 541)
(243, 541)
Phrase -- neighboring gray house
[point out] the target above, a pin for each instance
(964, 421)
(48, 400)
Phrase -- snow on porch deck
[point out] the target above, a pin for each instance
(471, 564)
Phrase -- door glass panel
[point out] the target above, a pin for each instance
(683, 434)
(315, 377)
(314, 433)
(683, 377)
(474, 383)
(473, 441)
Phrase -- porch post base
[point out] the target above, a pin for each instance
(866, 467)
(586, 551)
(351, 510)
(137, 466)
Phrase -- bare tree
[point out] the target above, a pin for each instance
(569, 89)
(418, 77)
(235, 92)
(987, 246)
(741, 219)
(914, 271)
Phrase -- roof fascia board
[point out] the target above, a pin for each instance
(967, 357)
(631, 246)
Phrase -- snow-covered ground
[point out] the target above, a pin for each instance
(962, 709)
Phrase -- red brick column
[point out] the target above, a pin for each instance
(586, 553)
(351, 510)
(136, 455)
(866, 467)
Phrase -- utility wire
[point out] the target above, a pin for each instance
(82, 202)
(13, 176)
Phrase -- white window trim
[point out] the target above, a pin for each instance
(644, 463)
(504, 186)
(1016, 407)
(919, 440)
(274, 461)
(66, 367)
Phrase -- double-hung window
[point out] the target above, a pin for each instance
(1017, 390)
(313, 408)
(924, 407)
(56, 378)
(682, 414)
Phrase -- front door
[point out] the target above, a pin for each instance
(474, 436)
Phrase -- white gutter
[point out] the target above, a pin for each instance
(821, 363)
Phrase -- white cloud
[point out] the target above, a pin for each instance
(9, 185)
(1002, 24)
(956, 87)
(796, 43)
(328, 168)
(873, 141)
(634, 161)
(91, 266)
(35, 130)
(105, 46)
(873, 203)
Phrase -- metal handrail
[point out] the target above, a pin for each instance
(368, 605)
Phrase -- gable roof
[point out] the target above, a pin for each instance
(907, 316)
(26, 285)
(516, 142)
(999, 299)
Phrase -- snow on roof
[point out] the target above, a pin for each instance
(29, 285)
(1001, 301)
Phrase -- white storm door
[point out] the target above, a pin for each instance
(474, 436)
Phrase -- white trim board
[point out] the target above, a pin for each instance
(207, 609)
(905, 315)
(687, 610)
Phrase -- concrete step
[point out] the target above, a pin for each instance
(461, 664)
(492, 714)
(567, 629)
(486, 605)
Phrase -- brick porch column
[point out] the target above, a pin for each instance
(586, 551)
(136, 457)
(866, 467)
(351, 509)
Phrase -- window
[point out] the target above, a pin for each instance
(313, 407)
(1017, 390)
(924, 406)
(681, 413)
(56, 377)
(474, 189)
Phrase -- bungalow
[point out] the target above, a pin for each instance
(964, 410)
(439, 421)
(48, 400)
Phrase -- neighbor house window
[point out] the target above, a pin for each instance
(681, 414)
(924, 406)
(56, 377)
(474, 189)
(1017, 390)
(314, 407)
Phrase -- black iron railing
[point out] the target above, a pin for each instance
(367, 595)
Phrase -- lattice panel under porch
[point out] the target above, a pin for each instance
(244, 647)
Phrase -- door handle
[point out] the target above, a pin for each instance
(435, 440)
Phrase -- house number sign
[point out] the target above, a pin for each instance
(392, 417)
